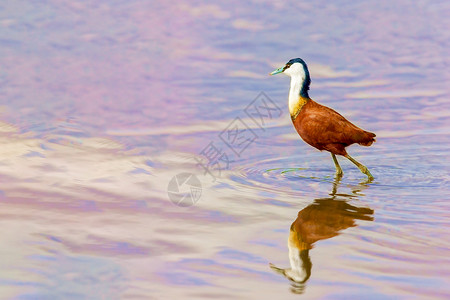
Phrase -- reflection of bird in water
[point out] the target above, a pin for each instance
(323, 219)
(318, 125)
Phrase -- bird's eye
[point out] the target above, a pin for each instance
(287, 66)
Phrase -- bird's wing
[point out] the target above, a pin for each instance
(332, 127)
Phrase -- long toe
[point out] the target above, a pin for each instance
(367, 172)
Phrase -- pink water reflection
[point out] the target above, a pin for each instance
(103, 103)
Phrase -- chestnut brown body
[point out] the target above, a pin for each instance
(325, 129)
(325, 218)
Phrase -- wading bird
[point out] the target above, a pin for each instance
(318, 125)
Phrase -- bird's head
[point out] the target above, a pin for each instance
(297, 69)
(295, 66)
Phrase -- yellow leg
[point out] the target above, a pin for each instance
(339, 172)
(361, 167)
(336, 183)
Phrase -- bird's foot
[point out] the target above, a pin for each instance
(361, 167)
(366, 171)
(339, 173)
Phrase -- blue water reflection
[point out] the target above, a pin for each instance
(104, 102)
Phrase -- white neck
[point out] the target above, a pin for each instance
(294, 92)
(297, 271)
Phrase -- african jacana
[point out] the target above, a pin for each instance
(318, 125)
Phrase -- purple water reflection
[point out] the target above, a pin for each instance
(103, 102)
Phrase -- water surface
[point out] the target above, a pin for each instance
(104, 102)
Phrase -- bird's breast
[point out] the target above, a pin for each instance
(295, 107)
(307, 131)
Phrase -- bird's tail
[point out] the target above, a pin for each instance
(367, 139)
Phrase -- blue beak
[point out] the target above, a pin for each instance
(279, 70)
